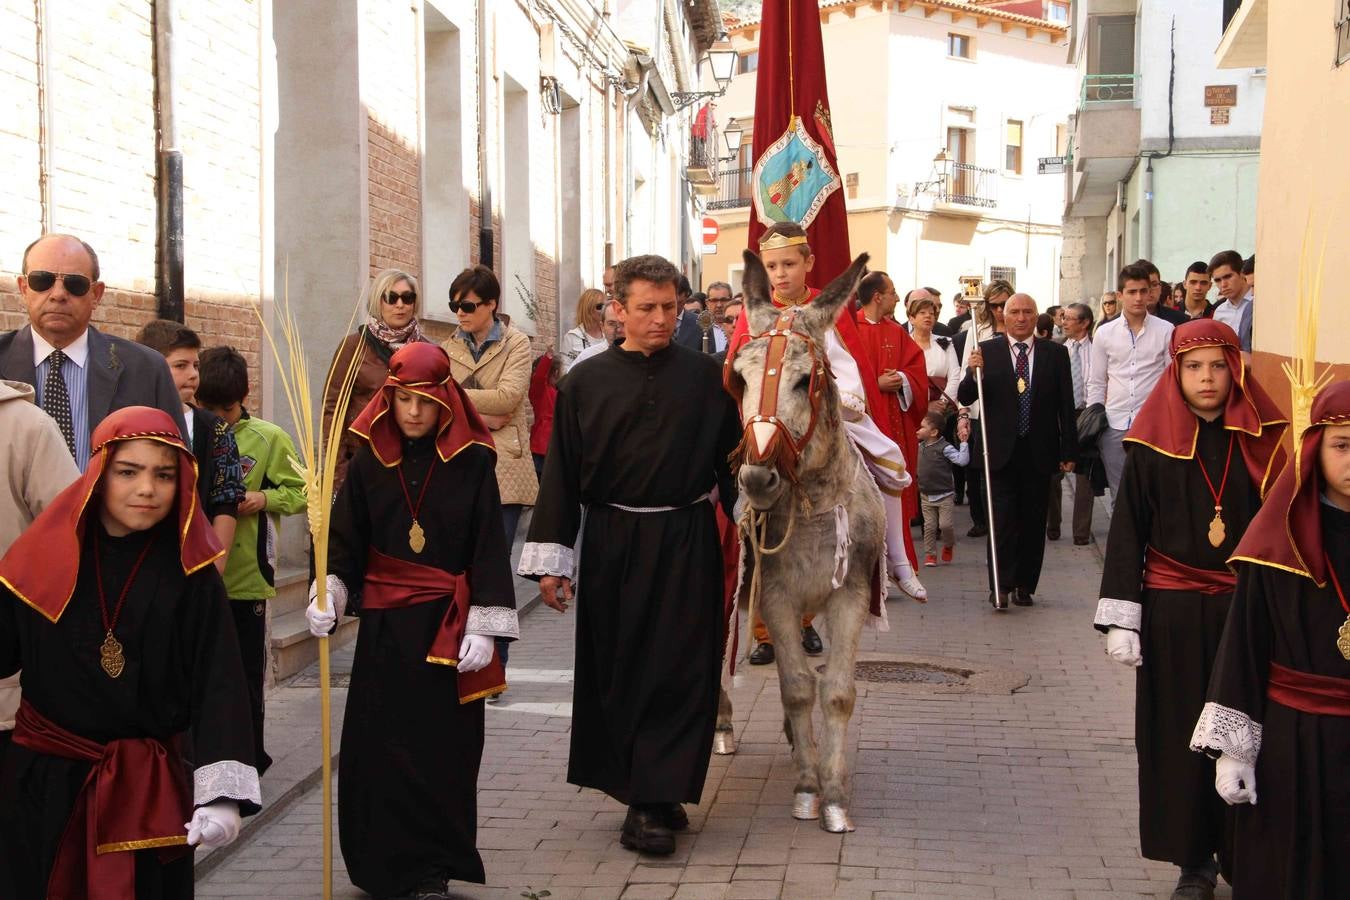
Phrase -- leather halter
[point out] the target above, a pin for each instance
(766, 440)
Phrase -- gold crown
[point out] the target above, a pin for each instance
(779, 241)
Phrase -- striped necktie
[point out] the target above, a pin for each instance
(1076, 358)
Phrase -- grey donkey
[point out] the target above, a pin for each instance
(818, 519)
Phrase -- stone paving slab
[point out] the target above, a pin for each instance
(1029, 792)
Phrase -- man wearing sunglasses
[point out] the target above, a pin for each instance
(79, 373)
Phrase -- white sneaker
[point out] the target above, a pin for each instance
(910, 584)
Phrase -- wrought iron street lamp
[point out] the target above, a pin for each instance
(732, 135)
(721, 57)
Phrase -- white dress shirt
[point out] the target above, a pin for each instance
(942, 365)
(1031, 354)
(76, 378)
(1125, 366)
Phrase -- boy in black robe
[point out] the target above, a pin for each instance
(416, 549)
(122, 654)
(1278, 714)
(1201, 449)
(641, 436)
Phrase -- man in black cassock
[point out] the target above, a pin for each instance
(641, 436)
(1200, 451)
(125, 647)
(1278, 710)
(416, 550)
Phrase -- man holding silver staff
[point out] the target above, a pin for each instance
(1029, 434)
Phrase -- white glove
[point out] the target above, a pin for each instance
(475, 652)
(214, 826)
(1122, 645)
(1235, 781)
(321, 621)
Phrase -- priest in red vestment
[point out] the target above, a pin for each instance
(902, 376)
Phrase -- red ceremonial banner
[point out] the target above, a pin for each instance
(796, 174)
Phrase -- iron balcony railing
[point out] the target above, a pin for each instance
(970, 186)
(1107, 89)
(733, 189)
(702, 160)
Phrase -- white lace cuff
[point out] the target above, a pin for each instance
(1228, 731)
(493, 621)
(545, 559)
(855, 407)
(227, 779)
(1119, 613)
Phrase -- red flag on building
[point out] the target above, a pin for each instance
(796, 174)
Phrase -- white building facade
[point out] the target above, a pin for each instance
(941, 113)
(1165, 144)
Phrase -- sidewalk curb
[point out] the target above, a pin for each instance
(253, 825)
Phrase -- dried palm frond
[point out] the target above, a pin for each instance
(1301, 369)
(317, 467)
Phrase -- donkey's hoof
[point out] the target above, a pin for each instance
(834, 818)
(724, 742)
(805, 805)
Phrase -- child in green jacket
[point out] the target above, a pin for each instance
(273, 489)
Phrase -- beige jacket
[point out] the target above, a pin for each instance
(497, 384)
(36, 466)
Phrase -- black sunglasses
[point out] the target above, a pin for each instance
(468, 306)
(407, 298)
(41, 280)
(599, 306)
(992, 305)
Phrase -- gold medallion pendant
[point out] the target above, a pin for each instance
(1216, 530)
(1343, 638)
(110, 656)
(1021, 385)
(417, 538)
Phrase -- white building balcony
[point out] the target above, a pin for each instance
(1105, 142)
(1244, 40)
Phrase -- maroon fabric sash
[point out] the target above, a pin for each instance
(136, 797)
(1322, 695)
(397, 584)
(1163, 573)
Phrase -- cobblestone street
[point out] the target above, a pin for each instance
(959, 790)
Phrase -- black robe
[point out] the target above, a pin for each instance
(408, 775)
(183, 671)
(642, 431)
(1295, 843)
(1164, 503)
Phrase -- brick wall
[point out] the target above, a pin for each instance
(103, 160)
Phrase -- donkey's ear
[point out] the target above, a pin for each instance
(825, 309)
(759, 309)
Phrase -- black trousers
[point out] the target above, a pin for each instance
(974, 481)
(1021, 493)
(250, 623)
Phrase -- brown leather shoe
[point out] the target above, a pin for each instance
(645, 831)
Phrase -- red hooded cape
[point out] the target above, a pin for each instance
(1287, 531)
(58, 533)
(1166, 423)
(422, 369)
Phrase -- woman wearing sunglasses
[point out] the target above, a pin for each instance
(590, 327)
(492, 361)
(393, 307)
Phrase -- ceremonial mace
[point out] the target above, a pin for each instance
(984, 455)
(317, 467)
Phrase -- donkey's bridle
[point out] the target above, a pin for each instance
(780, 449)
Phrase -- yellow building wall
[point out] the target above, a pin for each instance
(1303, 147)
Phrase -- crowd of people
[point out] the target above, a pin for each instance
(132, 714)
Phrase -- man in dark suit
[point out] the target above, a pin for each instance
(80, 374)
(1029, 434)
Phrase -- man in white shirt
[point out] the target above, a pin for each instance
(1235, 309)
(1129, 354)
(613, 331)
